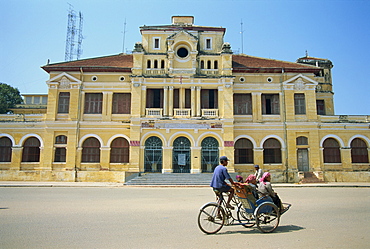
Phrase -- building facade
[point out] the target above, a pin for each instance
(175, 105)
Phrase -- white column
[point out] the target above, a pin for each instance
(193, 99)
(165, 101)
(170, 101)
(198, 101)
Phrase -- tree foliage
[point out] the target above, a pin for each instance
(9, 97)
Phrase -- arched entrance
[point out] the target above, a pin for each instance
(153, 155)
(181, 155)
(209, 154)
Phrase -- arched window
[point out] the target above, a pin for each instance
(208, 64)
(148, 64)
(271, 151)
(359, 152)
(215, 65)
(155, 64)
(119, 152)
(202, 64)
(302, 140)
(162, 63)
(243, 152)
(91, 150)
(60, 148)
(5, 149)
(331, 151)
(31, 150)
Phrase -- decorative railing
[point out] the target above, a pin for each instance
(210, 113)
(181, 113)
(155, 71)
(154, 112)
(22, 117)
(209, 71)
(345, 119)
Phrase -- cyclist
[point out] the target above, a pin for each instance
(218, 183)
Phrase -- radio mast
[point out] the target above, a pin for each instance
(74, 35)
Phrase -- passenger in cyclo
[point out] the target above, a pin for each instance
(239, 178)
(252, 181)
(247, 192)
(220, 174)
(265, 189)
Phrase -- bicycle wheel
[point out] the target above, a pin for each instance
(267, 217)
(247, 219)
(211, 218)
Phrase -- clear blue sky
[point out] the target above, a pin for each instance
(33, 31)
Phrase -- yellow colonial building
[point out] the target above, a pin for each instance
(175, 105)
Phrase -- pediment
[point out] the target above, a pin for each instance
(63, 81)
(300, 82)
(182, 35)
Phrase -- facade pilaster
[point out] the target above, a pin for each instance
(104, 158)
(258, 156)
(167, 160)
(52, 102)
(82, 104)
(311, 109)
(196, 162)
(256, 107)
(16, 157)
(345, 153)
(107, 106)
(143, 100)
(289, 105)
(78, 158)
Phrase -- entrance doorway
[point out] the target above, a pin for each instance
(302, 159)
(181, 155)
(209, 154)
(153, 155)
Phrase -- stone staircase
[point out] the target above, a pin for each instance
(310, 177)
(173, 179)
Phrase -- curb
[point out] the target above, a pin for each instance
(116, 185)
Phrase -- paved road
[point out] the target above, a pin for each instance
(129, 217)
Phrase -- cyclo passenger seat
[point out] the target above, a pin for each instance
(246, 197)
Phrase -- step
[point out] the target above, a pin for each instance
(173, 179)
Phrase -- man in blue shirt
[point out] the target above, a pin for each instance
(220, 174)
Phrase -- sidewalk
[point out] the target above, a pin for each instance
(115, 184)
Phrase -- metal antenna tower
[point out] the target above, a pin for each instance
(124, 36)
(80, 37)
(72, 31)
(241, 33)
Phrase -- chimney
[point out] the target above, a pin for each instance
(183, 20)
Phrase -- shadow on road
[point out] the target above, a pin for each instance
(254, 230)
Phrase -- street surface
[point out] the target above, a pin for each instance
(134, 217)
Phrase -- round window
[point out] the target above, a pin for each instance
(122, 78)
(269, 79)
(242, 79)
(182, 52)
(94, 78)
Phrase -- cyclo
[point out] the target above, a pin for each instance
(248, 212)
